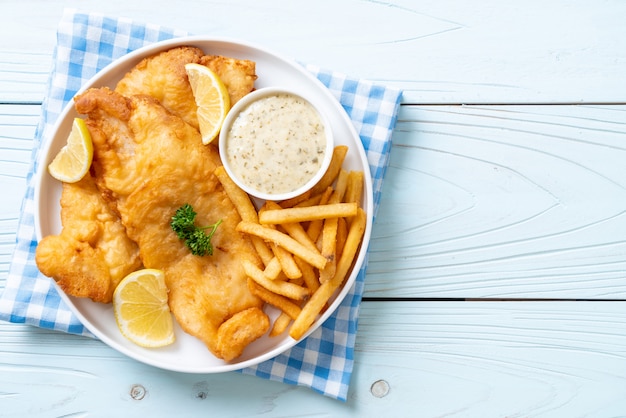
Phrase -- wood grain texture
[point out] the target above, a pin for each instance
(17, 129)
(438, 51)
(486, 359)
(503, 202)
(479, 202)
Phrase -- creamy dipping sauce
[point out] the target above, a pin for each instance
(276, 144)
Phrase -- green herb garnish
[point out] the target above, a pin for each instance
(195, 237)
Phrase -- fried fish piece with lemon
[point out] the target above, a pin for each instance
(73, 161)
(141, 310)
(212, 99)
(238, 75)
(92, 253)
(163, 76)
(157, 165)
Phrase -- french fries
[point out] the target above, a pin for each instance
(286, 261)
(281, 302)
(315, 305)
(308, 213)
(273, 269)
(283, 240)
(246, 211)
(280, 287)
(280, 324)
(307, 244)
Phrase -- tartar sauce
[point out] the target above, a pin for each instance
(276, 144)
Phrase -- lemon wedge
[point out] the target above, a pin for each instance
(73, 161)
(141, 310)
(211, 97)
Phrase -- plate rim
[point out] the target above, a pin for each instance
(134, 57)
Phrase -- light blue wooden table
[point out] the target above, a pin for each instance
(497, 277)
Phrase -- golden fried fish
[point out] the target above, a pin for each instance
(163, 77)
(92, 254)
(149, 163)
(237, 75)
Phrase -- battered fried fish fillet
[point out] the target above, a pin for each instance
(92, 254)
(149, 163)
(238, 75)
(163, 77)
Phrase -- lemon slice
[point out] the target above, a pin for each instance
(141, 310)
(73, 161)
(212, 99)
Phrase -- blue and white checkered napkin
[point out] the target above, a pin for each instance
(88, 42)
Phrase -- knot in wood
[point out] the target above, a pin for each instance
(380, 388)
(138, 392)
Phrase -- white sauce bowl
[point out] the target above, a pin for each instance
(260, 136)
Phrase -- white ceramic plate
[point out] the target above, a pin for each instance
(188, 354)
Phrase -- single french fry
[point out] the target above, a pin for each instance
(281, 216)
(308, 275)
(262, 250)
(342, 234)
(328, 245)
(340, 187)
(328, 272)
(329, 238)
(287, 264)
(329, 248)
(240, 198)
(245, 208)
(280, 302)
(299, 281)
(351, 247)
(284, 240)
(318, 300)
(311, 309)
(320, 241)
(280, 324)
(273, 269)
(354, 189)
(284, 288)
(339, 154)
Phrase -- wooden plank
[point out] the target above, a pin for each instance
(23, 75)
(468, 211)
(439, 52)
(503, 202)
(17, 129)
(426, 359)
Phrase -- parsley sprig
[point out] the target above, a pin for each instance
(195, 237)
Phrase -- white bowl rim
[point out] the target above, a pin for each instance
(248, 100)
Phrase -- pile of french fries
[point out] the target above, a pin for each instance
(307, 244)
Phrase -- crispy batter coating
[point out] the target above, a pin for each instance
(240, 330)
(163, 77)
(92, 254)
(238, 75)
(150, 162)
